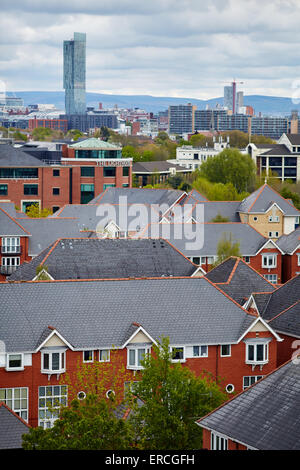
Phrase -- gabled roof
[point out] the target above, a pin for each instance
(84, 258)
(294, 138)
(13, 157)
(138, 196)
(10, 227)
(263, 198)
(264, 416)
(194, 196)
(288, 321)
(99, 314)
(289, 243)
(238, 279)
(282, 298)
(94, 144)
(155, 167)
(12, 427)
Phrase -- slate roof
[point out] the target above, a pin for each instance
(237, 279)
(108, 259)
(227, 209)
(10, 227)
(12, 427)
(265, 416)
(155, 167)
(288, 321)
(9, 208)
(282, 298)
(294, 138)
(99, 314)
(194, 194)
(138, 196)
(262, 199)
(45, 231)
(289, 243)
(13, 157)
(202, 239)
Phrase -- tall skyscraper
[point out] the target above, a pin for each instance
(228, 97)
(74, 74)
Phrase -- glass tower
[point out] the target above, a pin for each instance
(74, 74)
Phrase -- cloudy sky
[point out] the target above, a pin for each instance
(178, 48)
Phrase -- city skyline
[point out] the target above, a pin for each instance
(170, 48)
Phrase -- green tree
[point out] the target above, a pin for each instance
(219, 218)
(227, 247)
(104, 133)
(230, 166)
(88, 424)
(33, 211)
(173, 398)
(42, 133)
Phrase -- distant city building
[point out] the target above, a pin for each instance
(55, 124)
(74, 74)
(181, 119)
(191, 157)
(239, 101)
(228, 97)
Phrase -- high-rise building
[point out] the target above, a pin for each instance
(74, 74)
(228, 97)
(181, 119)
(239, 101)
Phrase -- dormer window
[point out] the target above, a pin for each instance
(53, 361)
(135, 355)
(257, 352)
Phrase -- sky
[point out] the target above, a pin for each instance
(175, 48)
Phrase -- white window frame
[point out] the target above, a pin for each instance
(62, 361)
(273, 234)
(6, 261)
(225, 355)
(254, 361)
(50, 416)
(89, 360)
(11, 245)
(247, 259)
(298, 255)
(255, 377)
(268, 257)
(274, 218)
(137, 365)
(218, 442)
(183, 353)
(11, 400)
(200, 346)
(271, 278)
(108, 355)
(9, 368)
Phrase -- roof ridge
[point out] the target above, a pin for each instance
(285, 310)
(14, 220)
(14, 413)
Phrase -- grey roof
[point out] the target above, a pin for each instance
(155, 167)
(11, 429)
(227, 209)
(289, 243)
(279, 149)
(12, 157)
(237, 279)
(261, 300)
(294, 138)
(99, 314)
(138, 196)
(266, 416)
(262, 199)
(45, 231)
(282, 298)
(202, 239)
(108, 258)
(9, 207)
(288, 321)
(9, 226)
(195, 195)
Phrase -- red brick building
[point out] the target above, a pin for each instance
(86, 169)
(62, 324)
(55, 124)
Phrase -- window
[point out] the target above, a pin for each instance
(271, 278)
(177, 353)
(51, 398)
(30, 189)
(196, 260)
(19, 173)
(56, 172)
(104, 355)
(109, 171)
(87, 171)
(250, 380)
(135, 356)
(9, 265)
(17, 400)
(218, 442)
(55, 191)
(15, 362)
(255, 219)
(200, 351)
(247, 259)
(298, 256)
(229, 388)
(269, 261)
(53, 362)
(88, 356)
(273, 218)
(3, 189)
(257, 353)
(273, 234)
(55, 209)
(210, 259)
(225, 350)
(125, 170)
(10, 245)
